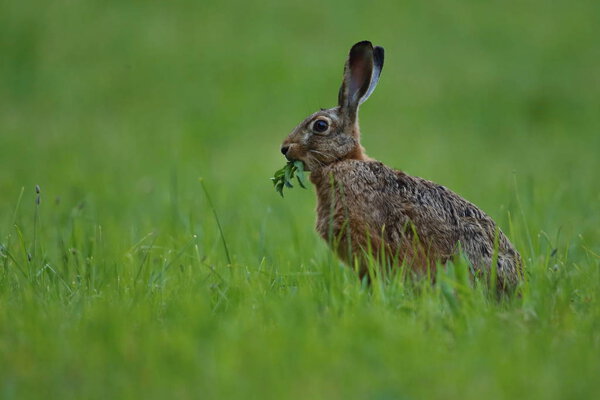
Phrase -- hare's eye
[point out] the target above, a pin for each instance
(320, 126)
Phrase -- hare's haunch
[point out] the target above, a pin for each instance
(363, 205)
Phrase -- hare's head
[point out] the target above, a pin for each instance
(333, 134)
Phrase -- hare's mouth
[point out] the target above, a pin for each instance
(290, 158)
(305, 160)
(308, 162)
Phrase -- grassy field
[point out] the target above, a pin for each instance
(116, 283)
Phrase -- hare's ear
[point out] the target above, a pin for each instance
(361, 74)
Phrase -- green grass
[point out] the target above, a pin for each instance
(117, 285)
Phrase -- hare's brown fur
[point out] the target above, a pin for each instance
(364, 205)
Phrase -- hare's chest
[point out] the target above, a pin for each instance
(343, 210)
(332, 216)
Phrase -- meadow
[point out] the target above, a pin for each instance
(114, 278)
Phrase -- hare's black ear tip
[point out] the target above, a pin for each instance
(363, 44)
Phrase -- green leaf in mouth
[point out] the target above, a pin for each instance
(283, 177)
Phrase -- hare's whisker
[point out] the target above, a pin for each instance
(321, 153)
(321, 163)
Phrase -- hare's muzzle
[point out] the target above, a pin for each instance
(290, 151)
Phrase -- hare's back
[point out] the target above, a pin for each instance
(387, 197)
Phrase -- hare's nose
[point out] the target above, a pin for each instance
(284, 149)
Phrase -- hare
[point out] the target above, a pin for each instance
(364, 206)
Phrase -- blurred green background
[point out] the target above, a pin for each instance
(116, 108)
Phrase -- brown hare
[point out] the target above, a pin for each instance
(364, 206)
